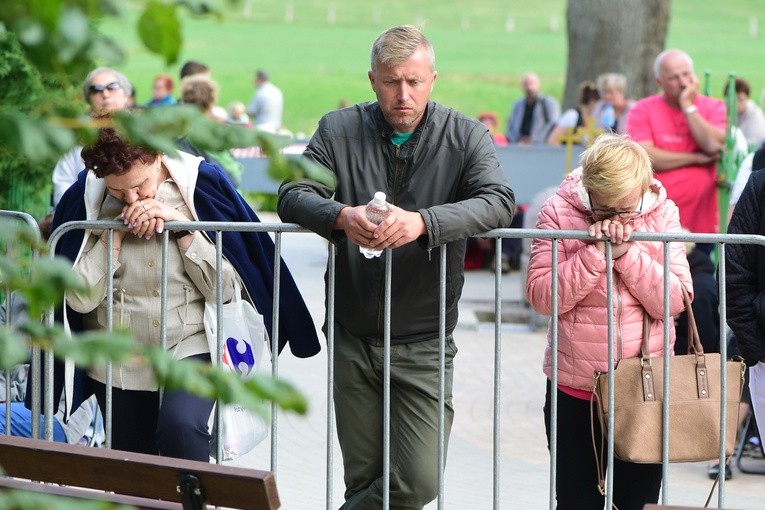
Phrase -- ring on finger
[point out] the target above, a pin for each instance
(142, 204)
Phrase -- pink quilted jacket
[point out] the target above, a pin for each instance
(638, 284)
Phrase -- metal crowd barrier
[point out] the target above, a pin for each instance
(278, 229)
(29, 222)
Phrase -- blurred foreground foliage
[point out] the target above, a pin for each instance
(47, 47)
(41, 282)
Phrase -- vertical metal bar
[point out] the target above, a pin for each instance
(611, 366)
(36, 369)
(497, 368)
(724, 374)
(8, 322)
(275, 342)
(48, 396)
(35, 372)
(441, 373)
(164, 275)
(218, 336)
(554, 379)
(665, 391)
(386, 379)
(330, 369)
(109, 401)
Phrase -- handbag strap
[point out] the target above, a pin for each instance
(694, 340)
(600, 461)
(598, 450)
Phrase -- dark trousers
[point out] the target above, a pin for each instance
(413, 420)
(176, 429)
(576, 472)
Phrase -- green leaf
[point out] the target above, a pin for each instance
(73, 31)
(105, 49)
(30, 32)
(205, 134)
(157, 128)
(13, 349)
(160, 31)
(50, 278)
(27, 500)
(33, 137)
(95, 348)
(179, 374)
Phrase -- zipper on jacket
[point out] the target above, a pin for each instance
(619, 306)
(381, 300)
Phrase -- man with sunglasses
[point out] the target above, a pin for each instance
(105, 90)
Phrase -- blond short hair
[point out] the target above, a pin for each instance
(616, 81)
(394, 46)
(615, 165)
(200, 90)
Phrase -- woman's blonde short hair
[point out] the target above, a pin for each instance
(199, 90)
(615, 166)
(616, 81)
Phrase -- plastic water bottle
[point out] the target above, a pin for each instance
(608, 118)
(377, 211)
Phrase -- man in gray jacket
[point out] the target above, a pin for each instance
(534, 115)
(442, 178)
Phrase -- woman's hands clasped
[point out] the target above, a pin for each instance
(619, 233)
(146, 217)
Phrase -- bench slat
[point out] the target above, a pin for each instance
(89, 494)
(135, 474)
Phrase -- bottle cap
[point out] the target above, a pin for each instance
(379, 198)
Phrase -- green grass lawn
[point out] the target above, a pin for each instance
(479, 61)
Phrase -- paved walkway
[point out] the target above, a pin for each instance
(524, 461)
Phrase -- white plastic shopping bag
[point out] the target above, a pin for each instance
(243, 335)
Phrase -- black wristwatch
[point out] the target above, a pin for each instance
(182, 233)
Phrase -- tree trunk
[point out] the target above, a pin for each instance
(620, 36)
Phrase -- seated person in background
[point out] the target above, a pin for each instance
(238, 115)
(610, 112)
(751, 119)
(489, 119)
(575, 117)
(202, 91)
(534, 115)
(162, 91)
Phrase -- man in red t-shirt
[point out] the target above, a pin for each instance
(683, 133)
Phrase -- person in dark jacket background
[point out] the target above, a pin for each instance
(745, 287)
(705, 304)
(440, 172)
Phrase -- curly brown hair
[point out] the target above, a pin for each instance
(111, 155)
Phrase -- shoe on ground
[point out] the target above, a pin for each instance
(714, 470)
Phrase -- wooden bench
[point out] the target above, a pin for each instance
(144, 481)
(662, 507)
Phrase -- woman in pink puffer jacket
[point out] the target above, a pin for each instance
(611, 195)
